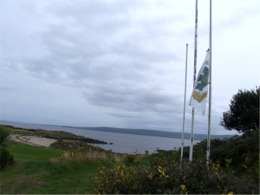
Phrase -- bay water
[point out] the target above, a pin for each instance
(117, 142)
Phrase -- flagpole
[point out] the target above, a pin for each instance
(194, 80)
(210, 83)
(184, 106)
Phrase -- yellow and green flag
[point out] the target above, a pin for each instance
(200, 92)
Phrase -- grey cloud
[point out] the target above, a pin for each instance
(77, 47)
(131, 99)
(123, 57)
(7, 89)
(84, 55)
(150, 120)
(137, 106)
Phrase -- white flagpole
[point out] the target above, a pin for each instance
(194, 80)
(210, 82)
(184, 106)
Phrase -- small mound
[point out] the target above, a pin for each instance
(75, 144)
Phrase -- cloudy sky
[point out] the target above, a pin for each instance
(121, 63)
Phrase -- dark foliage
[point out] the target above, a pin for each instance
(238, 155)
(243, 114)
(169, 176)
(4, 137)
(234, 169)
(6, 158)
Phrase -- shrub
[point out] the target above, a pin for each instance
(130, 159)
(5, 158)
(238, 155)
(4, 137)
(169, 176)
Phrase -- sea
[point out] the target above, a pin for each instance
(117, 142)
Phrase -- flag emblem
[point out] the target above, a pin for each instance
(200, 91)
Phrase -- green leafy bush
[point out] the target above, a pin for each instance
(170, 176)
(6, 157)
(239, 154)
(4, 137)
(130, 159)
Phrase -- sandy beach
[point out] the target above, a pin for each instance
(33, 140)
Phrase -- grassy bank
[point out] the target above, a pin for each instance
(37, 170)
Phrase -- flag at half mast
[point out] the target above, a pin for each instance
(200, 92)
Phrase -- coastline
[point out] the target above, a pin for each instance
(26, 135)
(120, 143)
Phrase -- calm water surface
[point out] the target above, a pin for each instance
(122, 143)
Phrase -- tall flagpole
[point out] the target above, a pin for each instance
(210, 82)
(194, 80)
(184, 106)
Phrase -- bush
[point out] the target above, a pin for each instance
(239, 154)
(5, 158)
(130, 159)
(4, 137)
(170, 176)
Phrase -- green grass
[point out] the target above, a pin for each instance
(35, 172)
(25, 153)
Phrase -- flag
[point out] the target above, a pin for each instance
(200, 92)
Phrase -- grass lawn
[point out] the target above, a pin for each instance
(36, 173)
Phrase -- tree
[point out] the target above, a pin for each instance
(243, 114)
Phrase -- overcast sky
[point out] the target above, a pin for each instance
(121, 63)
